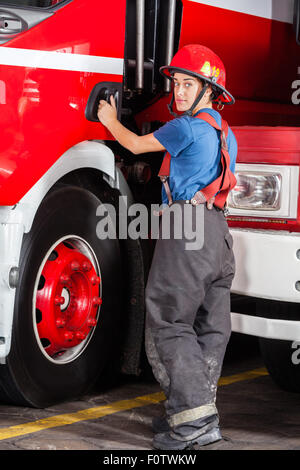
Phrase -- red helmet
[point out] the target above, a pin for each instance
(202, 63)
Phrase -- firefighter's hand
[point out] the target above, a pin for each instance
(107, 113)
(210, 203)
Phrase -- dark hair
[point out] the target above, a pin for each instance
(215, 92)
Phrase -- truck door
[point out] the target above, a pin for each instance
(52, 55)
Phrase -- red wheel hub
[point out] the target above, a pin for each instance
(67, 300)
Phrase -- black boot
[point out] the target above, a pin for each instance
(160, 424)
(166, 441)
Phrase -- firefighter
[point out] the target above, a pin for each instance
(188, 291)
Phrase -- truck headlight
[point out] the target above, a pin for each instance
(265, 191)
(257, 190)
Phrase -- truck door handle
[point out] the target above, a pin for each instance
(10, 25)
(105, 94)
(103, 91)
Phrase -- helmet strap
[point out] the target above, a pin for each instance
(197, 100)
(189, 112)
(170, 106)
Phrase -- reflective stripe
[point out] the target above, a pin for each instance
(191, 415)
(271, 9)
(60, 61)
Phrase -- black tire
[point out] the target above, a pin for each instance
(28, 377)
(281, 359)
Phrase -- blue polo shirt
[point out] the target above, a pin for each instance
(195, 149)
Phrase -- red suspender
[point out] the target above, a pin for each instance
(223, 184)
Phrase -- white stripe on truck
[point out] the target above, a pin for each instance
(60, 61)
(280, 10)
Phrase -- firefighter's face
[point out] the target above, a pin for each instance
(186, 90)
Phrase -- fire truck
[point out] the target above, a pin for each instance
(71, 304)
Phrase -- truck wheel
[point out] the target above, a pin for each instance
(67, 304)
(282, 359)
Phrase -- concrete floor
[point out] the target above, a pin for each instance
(254, 414)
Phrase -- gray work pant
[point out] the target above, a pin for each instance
(188, 320)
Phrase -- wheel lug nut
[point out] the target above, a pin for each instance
(60, 322)
(68, 335)
(97, 301)
(75, 266)
(59, 300)
(80, 335)
(91, 322)
(95, 280)
(86, 266)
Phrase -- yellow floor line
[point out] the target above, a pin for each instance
(100, 411)
(248, 375)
